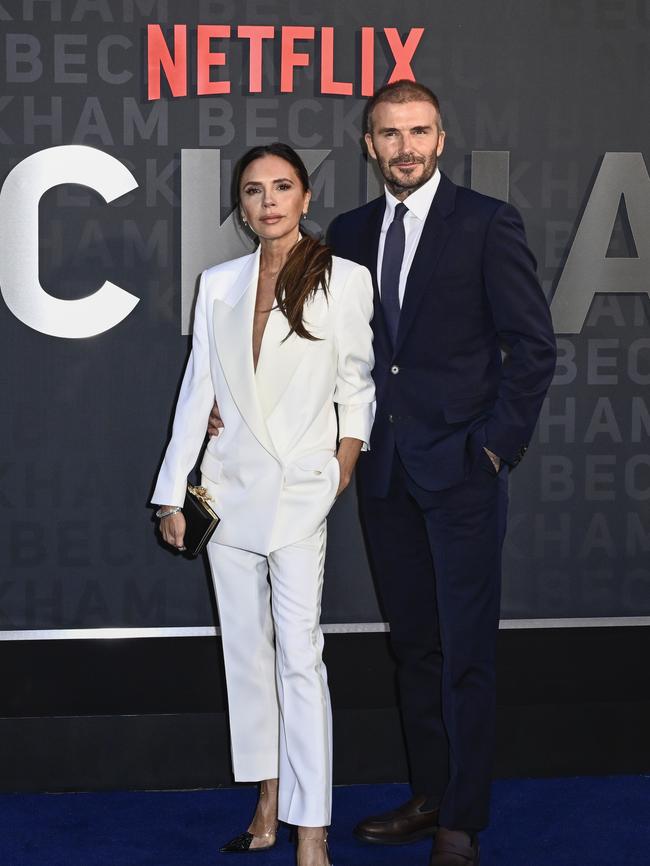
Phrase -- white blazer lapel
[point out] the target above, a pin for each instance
(233, 332)
(278, 361)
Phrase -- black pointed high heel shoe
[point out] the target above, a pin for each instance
(242, 844)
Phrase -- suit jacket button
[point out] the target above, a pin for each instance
(394, 369)
(390, 418)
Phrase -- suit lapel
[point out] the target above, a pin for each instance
(233, 331)
(278, 360)
(369, 244)
(435, 234)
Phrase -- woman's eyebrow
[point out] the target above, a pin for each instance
(277, 180)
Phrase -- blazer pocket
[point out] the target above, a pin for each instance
(465, 408)
(315, 462)
(211, 468)
(308, 467)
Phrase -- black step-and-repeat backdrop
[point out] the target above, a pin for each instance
(120, 123)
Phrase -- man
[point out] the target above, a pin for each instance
(454, 283)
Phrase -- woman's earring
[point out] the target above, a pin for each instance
(304, 216)
(244, 220)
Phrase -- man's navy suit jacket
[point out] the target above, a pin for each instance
(443, 389)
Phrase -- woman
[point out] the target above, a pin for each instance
(280, 336)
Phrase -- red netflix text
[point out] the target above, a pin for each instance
(212, 41)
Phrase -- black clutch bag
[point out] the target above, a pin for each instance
(200, 519)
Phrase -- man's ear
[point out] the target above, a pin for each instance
(369, 145)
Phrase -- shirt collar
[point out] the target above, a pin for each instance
(418, 203)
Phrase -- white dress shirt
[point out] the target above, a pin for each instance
(418, 204)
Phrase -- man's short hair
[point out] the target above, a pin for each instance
(403, 90)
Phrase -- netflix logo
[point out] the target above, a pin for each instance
(169, 57)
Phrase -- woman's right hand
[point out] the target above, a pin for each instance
(172, 529)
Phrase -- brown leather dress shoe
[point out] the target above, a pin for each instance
(455, 848)
(408, 823)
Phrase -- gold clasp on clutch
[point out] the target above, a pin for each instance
(200, 493)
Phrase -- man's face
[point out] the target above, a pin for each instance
(406, 142)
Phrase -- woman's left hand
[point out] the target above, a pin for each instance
(344, 479)
(347, 455)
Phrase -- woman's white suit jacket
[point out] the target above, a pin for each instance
(272, 470)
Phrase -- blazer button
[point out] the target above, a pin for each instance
(394, 369)
(390, 419)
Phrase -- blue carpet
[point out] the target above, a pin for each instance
(535, 822)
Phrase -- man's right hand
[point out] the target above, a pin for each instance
(214, 421)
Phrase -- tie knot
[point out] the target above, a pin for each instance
(400, 212)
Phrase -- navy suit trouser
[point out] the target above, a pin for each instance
(436, 559)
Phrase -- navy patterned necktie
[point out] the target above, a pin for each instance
(391, 266)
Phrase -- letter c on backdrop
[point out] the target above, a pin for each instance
(19, 201)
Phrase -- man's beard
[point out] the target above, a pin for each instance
(401, 182)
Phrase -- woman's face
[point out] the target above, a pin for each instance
(272, 198)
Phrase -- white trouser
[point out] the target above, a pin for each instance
(278, 699)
